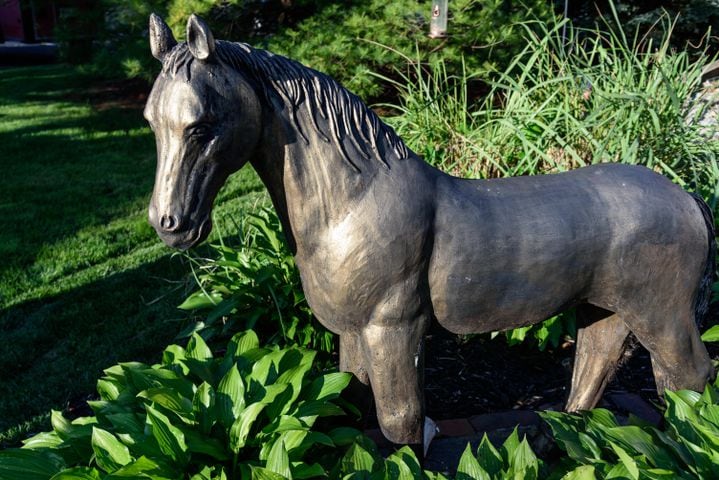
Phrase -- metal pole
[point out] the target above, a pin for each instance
(438, 21)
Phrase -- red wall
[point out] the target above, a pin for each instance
(10, 20)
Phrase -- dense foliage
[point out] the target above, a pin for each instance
(255, 286)
(347, 40)
(245, 414)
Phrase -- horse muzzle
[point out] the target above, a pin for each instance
(176, 233)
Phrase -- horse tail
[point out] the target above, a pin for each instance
(701, 305)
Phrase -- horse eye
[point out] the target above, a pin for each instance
(199, 131)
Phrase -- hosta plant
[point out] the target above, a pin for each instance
(687, 446)
(238, 286)
(251, 413)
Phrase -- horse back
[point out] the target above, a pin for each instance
(512, 252)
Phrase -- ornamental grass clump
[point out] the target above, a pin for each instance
(571, 98)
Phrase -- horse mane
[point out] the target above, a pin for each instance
(345, 116)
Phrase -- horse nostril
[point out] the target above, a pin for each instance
(169, 223)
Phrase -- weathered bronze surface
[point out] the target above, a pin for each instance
(386, 244)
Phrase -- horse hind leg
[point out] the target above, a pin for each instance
(680, 360)
(601, 341)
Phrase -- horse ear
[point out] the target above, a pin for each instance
(199, 38)
(161, 39)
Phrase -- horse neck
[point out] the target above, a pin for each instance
(310, 182)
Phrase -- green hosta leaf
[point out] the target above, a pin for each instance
(565, 428)
(585, 472)
(297, 442)
(78, 473)
(23, 464)
(301, 470)
(147, 378)
(343, 436)
(197, 348)
(278, 460)
(259, 473)
(108, 389)
(524, 462)
(626, 460)
(130, 423)
(403, 465)
(327, 387)
(489, 457)
(198, 443)
(144, 468)
(711, 335)
(230, 398)
(49, 440)
(169, 438)
(168, 398)
(510, 445)
(110, 453)
(65, 429)
(203, 406)
(174, 356)
(357, 460)
(241, 428)
(469, 468)
(200, 300)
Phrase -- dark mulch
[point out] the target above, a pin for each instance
(466, 377)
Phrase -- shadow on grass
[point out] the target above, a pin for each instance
(56, 348)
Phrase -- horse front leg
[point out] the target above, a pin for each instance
(352, 360)
(395, 360)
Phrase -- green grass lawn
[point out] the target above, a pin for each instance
(85, 282)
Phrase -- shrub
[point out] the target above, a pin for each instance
(255, 286)
(247, 414)
(348, 42)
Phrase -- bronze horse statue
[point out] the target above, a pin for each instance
(386, 244)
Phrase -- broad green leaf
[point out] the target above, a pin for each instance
(711, 335)
(243, 342)
(78, 473)
(585, 472)
(301, 470)
(65, 429)
(469, 468)
(259, 473)
(49, 440)
(197, 348)
(169, 438)
(110, 453)
(510, 445)
(489, 457)
(168, 398)
(626, 460)
(241, 428)
(199, 300)
(343, 436)
(199, 443)
(327, 387)
(107, 389)
(203, 406)
(357, 459)
(144, 468)
(25, 464)
(524, 462)
(278, 460)
(403, 465)
(230, 398)
(565, 428)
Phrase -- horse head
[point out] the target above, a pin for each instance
(207, 124)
